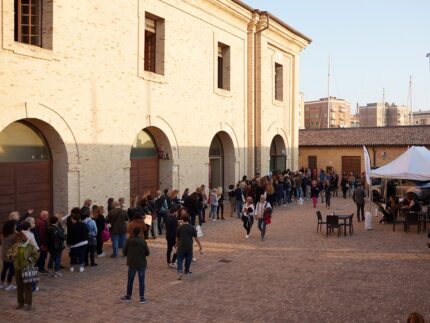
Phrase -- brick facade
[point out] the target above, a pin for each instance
(331, 146)
(90, 96)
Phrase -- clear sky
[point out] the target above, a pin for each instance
(373, 44)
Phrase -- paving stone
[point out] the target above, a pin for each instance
(295, 275)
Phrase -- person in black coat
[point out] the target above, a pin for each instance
(77, 239)
(192, 204)
(171, 227)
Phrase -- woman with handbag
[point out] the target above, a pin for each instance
(248, 215)
(24, 256)
(263, 210)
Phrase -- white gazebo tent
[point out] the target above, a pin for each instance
(413, 164)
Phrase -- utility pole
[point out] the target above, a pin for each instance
(410, 100)
(328, 95)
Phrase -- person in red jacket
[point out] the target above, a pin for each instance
(41, 231)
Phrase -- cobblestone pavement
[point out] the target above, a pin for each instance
(295, 275)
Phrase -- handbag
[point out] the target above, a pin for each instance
(199, 231)
(105, 234)
(30, 275)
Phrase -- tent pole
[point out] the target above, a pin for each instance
(401, 187)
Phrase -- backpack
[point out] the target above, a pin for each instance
(58, 238)
(164, 207)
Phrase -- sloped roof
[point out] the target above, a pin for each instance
(369, 136)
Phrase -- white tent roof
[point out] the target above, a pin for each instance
(412, 164)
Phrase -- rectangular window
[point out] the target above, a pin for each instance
(223, 65)
(33, 21)
(279, 82)
(154, 44)
(28, 15)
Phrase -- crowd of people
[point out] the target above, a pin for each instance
(40, 242)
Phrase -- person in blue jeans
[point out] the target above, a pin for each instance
(184, 245)
(118, 219)
(136, 250)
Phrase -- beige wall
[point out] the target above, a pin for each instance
(421, 118)
(92, 91)
(332, 156)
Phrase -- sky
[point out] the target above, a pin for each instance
(372, 45)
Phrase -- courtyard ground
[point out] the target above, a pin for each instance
(296, 275)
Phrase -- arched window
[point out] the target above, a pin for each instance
(143, 146)
(22, 143)
(215, 149)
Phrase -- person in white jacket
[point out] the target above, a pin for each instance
(26, 228)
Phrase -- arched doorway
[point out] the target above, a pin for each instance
(221, 161)
(26, 169)
(144, 170)
(278, 154)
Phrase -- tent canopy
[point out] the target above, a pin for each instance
(412, 164)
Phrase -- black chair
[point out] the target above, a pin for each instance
(349, 224)
(413, 218)
(332, 223)
(320, 221)
(396, 220)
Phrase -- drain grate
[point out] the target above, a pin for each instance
(226, 261)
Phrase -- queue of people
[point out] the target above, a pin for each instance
(85, 230)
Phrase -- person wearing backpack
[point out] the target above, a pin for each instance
(263, 211)
(55, 243)
(92, 240)
(118, 220)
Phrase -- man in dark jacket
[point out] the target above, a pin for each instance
(41, 233)
(163, 203)
(136, 251)
(358, 197)
(118, 220)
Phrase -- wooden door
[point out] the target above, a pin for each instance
(144, 176)
(25, 185)
(312, 162)
(351, 164)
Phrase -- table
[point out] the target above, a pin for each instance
(344, 218)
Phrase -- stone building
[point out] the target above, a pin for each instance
(103, 99)
(421, 118)
(342, 149)
(316, 113)
(384, 115)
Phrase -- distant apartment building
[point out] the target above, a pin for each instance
(338, 117)
(421, 117)
(384, 115)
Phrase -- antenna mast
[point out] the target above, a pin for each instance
(384, 114)
(410, 100)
